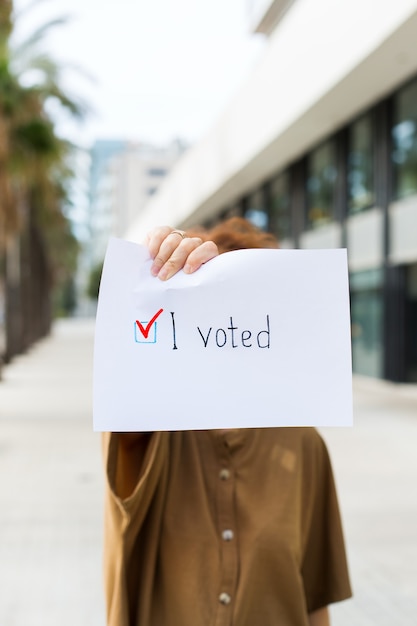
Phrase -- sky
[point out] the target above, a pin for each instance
(160, 69)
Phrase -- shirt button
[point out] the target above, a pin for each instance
(224, 474)
(227, 534)
(224, 598)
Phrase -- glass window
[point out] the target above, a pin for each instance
(321, 185)
(411, 324)
(255, 209)
(404, 141)
(231, 211)
(280, 207)
(361, 191)
(367, 318)
(157, 171)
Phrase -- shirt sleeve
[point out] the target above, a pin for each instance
(324, 567)
(124, 518)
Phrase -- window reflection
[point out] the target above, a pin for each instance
(256, 211)
(404, 141)
(321, 184)
(367, 319)
(280, 217)
(361, 191)
(411, 322)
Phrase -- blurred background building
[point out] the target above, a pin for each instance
(320, 146)
(123, 176)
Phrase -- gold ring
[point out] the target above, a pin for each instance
(181, 233)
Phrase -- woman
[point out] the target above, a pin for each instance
(215, 528)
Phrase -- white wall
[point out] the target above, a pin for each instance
(365, 240)
(328, 236)
(403, 231)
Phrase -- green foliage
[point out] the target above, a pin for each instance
(6, 7)
(94, 281)
(36, 135)
(34, 172)
(65, 299)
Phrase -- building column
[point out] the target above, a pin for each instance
(394, 283)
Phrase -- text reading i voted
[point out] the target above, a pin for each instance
(231, 334)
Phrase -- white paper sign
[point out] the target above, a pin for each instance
(253, 338)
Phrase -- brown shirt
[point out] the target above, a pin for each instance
(235, 528)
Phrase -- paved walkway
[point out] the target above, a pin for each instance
(50, 485)
(51, 493)
(376, 470)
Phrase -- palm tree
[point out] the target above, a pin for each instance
(36, 245)
(7, 90)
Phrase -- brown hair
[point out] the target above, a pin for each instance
(236, 233)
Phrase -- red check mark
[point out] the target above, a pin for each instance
(145, 330)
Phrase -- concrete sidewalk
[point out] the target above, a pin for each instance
(376, 470)
(51, 485)
(51, 493)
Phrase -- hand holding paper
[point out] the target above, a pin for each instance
(253, 338)
(170, 254)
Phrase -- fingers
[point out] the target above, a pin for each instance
(172, 250)
(175, 255)
(155, 238)
(200, 255)
(172, 255)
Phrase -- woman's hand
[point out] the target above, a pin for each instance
(171, 251)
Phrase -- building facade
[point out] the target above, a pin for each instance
(134, 176)
(123, 176)
(100, 218)
(320, 147)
